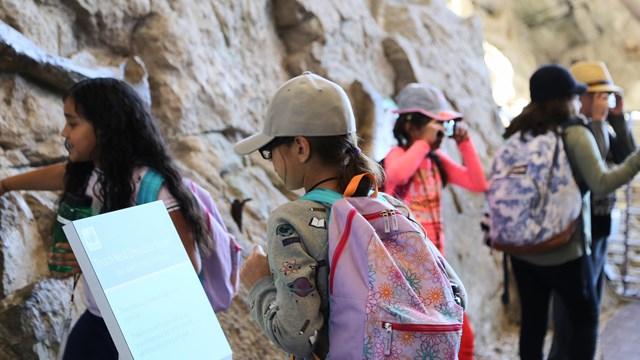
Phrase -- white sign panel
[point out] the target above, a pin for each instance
(146, 288)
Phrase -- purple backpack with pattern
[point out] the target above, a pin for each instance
(220, 274)
(392, 294)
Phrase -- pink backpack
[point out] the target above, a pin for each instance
(220, 274)
(392, 294)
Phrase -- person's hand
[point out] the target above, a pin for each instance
(600, 106)
(461, 133)
(65, 259)
(255, 267)
(3, 189)
(432, 133)
(619, 109)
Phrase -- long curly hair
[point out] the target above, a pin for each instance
(127, 137)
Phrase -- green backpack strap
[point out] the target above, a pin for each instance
(324, 196)
(327, 196)
(149, 187)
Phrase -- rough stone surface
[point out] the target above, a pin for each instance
(211, 68)
(23, 255)
(534, 32)
(19, 55)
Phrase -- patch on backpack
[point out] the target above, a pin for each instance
(290, 267)
(313, 338)
(518, 170)
(318, 223)
(291, 240)
(284, 230)
(301, 286)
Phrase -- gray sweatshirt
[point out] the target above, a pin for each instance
(292, 305)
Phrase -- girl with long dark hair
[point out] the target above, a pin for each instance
(417, 169)
(112, 141)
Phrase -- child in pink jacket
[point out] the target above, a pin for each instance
(417, 169)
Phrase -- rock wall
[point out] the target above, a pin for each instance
(209, 68)
(533, 32)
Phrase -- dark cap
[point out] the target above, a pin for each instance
(553, 81)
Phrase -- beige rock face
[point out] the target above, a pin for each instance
(212, 67)
(533, 32)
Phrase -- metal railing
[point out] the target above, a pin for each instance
(623, 266)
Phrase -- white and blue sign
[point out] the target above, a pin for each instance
(146, 288)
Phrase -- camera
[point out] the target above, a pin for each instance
(449, 127)
(611, 99)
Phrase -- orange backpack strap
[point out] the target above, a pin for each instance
(355, 182)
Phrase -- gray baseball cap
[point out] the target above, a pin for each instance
(427, 100)
(307, 105)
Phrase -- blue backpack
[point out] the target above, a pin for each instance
(533, 199)
(220, 274)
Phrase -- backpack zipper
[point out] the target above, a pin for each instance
(389, 216)
(389, 327)
(347, 231)
(387, 226)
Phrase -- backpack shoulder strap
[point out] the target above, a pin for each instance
(327, 196)
(575, 121)
(149, 187)
(324, 196)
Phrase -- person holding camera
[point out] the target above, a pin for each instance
(603, 106)
(417, 169)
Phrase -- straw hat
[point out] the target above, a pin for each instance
(596, 75)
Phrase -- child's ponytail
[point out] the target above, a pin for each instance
(344, 151)
(358, 163)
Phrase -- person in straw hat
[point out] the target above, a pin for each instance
(603, 105)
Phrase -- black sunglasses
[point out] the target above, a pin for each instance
(267, 151)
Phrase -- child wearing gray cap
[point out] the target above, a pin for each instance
(309, 136)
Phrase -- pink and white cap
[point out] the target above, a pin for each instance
(427, 100)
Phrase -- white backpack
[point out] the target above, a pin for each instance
(534, 201)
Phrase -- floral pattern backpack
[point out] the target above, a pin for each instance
(392, 295)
